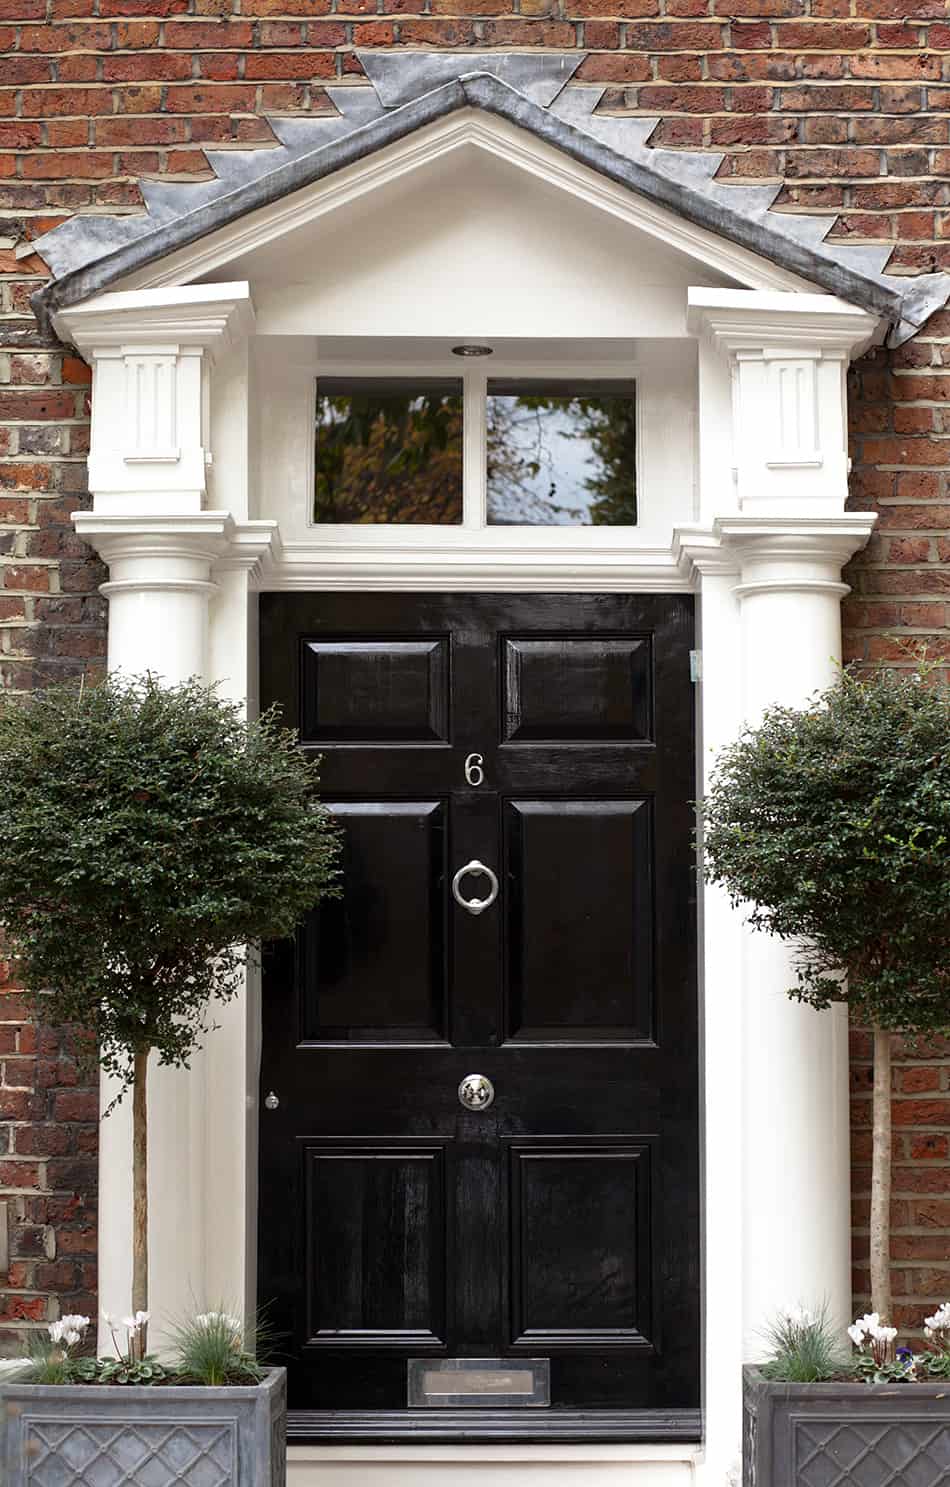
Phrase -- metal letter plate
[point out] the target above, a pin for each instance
(479, 1383)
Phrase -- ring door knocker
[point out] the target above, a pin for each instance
(475, 905)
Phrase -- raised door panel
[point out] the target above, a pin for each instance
(376, 1243)
(580, 920)
(369, 691)
(577, 689)
(580, 1217)
(373, 962)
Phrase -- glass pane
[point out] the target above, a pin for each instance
(388, 450)
(561, 454)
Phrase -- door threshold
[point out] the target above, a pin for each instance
(464, 1426)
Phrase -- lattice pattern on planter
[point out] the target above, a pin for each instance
(909, 1453)
(130, 1454)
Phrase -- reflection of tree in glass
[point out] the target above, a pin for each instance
(389, 457)
(392, 456)
(522, 471)
(530, 474)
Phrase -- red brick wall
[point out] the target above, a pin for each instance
(845, 101)
(48, 1141)
(52, 624)
(899, 606)
(920, 1211)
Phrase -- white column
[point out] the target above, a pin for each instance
(785, 534)
(151, 353)
(796, 1221)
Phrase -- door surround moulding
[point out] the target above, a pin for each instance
(769, 578)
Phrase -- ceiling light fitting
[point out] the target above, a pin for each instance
(472, 350)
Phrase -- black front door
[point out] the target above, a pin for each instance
(548, 738)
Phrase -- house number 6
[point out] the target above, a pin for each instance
(474, 773)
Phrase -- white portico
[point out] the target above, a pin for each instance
(474, 226)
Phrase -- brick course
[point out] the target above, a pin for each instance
(846, 102)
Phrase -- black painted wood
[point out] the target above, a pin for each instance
(563, 1221)
(448, 1426)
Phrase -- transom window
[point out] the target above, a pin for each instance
(546, 452)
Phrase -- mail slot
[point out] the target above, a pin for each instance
(478, 1383)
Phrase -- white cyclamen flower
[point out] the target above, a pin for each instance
(109, 1319)
(856, 1333)
(130, 1324)
(68, 1330)
(76, 1322)
(939, 1322)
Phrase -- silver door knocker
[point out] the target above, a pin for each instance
(476, 1092)
(475, 905)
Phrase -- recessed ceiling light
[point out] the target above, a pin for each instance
(472, 350)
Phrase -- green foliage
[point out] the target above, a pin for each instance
(147, 1370)
(900, 1370)
(833, 823)
(804, 1348)
(146, 833)
(214, 1349)
(935, 1365)
(47, 1362)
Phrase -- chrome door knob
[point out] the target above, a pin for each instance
(271, 1101)
(476, 1092)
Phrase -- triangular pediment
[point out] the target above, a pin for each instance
(541, 116)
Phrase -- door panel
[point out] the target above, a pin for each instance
(580, 919)
(377, 1242)
(362, 691)
(580, 1237)
(373, 962)
(574, 690)
(562, 1221)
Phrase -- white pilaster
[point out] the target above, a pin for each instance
(786, 536)
(151, 354)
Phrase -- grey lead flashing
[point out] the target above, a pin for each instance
(411, 90)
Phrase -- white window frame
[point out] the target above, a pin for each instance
(474, 380)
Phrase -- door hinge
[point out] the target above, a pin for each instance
(695, 665)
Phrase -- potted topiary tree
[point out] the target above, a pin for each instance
(148, 836)
(831, 823)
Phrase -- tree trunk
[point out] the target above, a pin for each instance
(881, 1177)
(140, 1195)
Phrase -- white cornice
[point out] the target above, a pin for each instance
(809, 534)
(764, 322)
(206, 316)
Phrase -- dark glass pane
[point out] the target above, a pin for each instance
(388, 450)
(561, 454)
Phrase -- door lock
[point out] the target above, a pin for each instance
(271, 1101)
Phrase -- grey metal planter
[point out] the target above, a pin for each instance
(844, 1435)
(101, 1436)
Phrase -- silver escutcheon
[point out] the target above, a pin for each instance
(475, 905)
(476, 1092)
(271, 1101)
